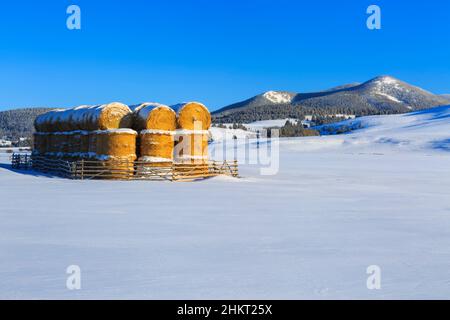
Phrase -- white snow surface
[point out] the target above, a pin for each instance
(378, 196)
(258, 125)
(278, 97)
(389, 97)
(219, 134)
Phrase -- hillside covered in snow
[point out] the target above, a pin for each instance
(380, 95)
(426, 130)
(334, 206)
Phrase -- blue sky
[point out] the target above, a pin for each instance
(214, 51)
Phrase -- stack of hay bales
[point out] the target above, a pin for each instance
(44, 140)
(92, 132)
(191, 140)
(156, 124)
(107, 134)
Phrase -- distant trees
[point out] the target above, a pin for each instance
(294, 130)
(15, 124)
(233, 126)
(239, 126)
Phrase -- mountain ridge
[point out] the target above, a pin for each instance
(380, 95)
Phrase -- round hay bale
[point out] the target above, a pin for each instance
(84, 144)
(74, 144)
(192, 116)
(77, 117)
(191, 146)
(191, 142)
(108, 116)
(151, 115)
(92, 144)
(116, 150)
(59, 121)
(60, 144)
(156, 147)
(117, 143)
(39, 143)
(44, 122)
(53, 120)
(51, 146)
(100, 147)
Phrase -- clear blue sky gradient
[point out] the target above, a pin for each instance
(214, 51)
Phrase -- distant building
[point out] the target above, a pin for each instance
(308, 124)
(5, 143)
(345, 116)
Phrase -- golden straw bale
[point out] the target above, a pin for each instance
(151, 115)
(100, 148)
(191, 142)
(84, 143)
(108, 116)
(74, 143)
(191, 112)
(191, 146)
(92, 144)
(156, 147)
(116, 143)
(116, 152)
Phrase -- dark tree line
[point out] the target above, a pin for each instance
(18, 123)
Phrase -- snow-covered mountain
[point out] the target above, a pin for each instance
(278, 97)
(384, 94)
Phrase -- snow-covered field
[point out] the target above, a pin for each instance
(378, 196)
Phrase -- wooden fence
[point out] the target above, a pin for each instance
(123, 170)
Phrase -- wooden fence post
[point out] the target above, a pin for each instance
(82, 169)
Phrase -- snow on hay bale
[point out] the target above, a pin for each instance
(107, 116)
(191, 140)
(102, 117)
(76, 117)
(190, 113)
(44, 122)
(151, 115)
(157, 124)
